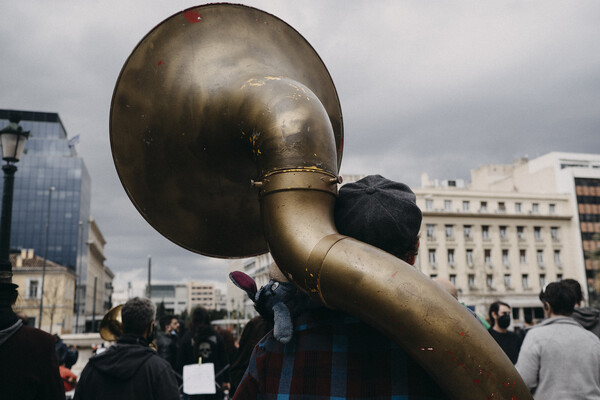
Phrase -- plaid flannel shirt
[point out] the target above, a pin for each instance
(334, 356)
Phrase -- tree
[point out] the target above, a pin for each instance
(160, 311)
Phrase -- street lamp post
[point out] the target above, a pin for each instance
(50, 190)
(13, 139)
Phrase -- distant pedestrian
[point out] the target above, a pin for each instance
(203, 342)
(510, 342)
(131, 369)
(28, 363)
(167, 341)
(559, 359)
(588, 317)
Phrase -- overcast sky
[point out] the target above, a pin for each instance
(425, 86)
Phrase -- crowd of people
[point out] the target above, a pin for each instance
(328, 354)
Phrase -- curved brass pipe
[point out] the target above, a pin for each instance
(297, 204)
(221, 94)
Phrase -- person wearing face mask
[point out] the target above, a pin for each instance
(509, 341)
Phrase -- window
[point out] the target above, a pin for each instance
(559, 277)
(483, 206)
(470, 257)
(557, 260)
(535, 208)
(523, 256)
(485, 232)
(521, 232)
(540, 258)
(552, 208)
(517, 207)
(447, 205)
(449, 231)
(507, 281)
(432, 257)
(554, 232)
(429, 204)
(451, 257)
(452, 279)
(466, 205)
(501, 207)
(471, 279)
(430, 229)
(487, 256)
(468, 231)
(33, 289)
(505, 260)
(502, 232)
(489, 280)
(542, 280)
(525, 281)
(537, 232)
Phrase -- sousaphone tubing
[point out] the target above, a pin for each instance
(226, 132)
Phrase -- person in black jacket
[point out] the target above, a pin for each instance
(202, 341)
(28, 364)
(167, 341)
(130, 369)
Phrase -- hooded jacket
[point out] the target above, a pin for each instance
(128, 370)
(589, 318)
(560, 360)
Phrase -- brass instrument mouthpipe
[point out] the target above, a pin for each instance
(297, 201)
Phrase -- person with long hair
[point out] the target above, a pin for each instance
(202, 343)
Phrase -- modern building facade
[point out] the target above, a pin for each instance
(53, 188)
(50, 161)
(174, 297)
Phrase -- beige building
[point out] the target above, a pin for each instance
(204, 294)
(575, 175)
(59, 291)
(495, 245)
(95, 284)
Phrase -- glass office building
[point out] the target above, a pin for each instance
(50, 161)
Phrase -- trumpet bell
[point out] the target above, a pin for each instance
(179, 148)
(111, 325)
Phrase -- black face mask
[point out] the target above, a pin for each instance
(504, 321)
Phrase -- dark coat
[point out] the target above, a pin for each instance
(128, 370)
(209, 345)
(168, 347)
(28, 365)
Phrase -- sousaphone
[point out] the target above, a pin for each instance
(226, 132)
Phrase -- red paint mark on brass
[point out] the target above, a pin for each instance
(192, 16)
(463, 333)
(476, 381)
(160, 63)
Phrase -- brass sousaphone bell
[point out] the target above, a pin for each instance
(226, 132)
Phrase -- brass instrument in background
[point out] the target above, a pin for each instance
(220, 96)
(111, 325)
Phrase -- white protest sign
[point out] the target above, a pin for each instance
(199, 379)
